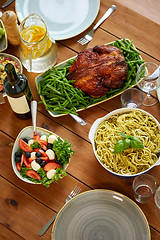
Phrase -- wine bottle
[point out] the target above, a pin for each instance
(18, 92)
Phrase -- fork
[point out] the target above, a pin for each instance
(74, 192)
(88, 37)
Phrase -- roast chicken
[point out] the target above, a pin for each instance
(97, 70)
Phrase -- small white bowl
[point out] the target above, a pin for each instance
(97, 123)
(27, 132)
(14, 59)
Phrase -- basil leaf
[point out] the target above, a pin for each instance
(35, 145)
(62, 150)
(123, 135)
(134, 138)
(127, 143)
(119, 146)
(136, 143)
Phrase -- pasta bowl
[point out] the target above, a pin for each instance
(104, 137)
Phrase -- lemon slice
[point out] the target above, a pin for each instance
(41, 49)
(34, 34)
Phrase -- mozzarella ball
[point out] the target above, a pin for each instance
(43, 137)
(51, 173)
(50, 154)
(35, 165)
(31, 141)
(33, 154)
(52, 138)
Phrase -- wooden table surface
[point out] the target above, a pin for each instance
(25, 208)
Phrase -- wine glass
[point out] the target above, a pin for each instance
(157, 197)
(148, 80)
(157, 202)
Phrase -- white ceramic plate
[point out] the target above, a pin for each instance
(101, 214)
(64, 18)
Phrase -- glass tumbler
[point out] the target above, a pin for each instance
(157, 197)
(144, 187)
(132, 98)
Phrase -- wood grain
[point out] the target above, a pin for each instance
(147, 8)
(7, 234)
(25, 208)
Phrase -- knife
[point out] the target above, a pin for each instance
(8, 2)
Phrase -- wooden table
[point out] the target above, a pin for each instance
(25, 208)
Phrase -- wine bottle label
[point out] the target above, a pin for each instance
(19, 105)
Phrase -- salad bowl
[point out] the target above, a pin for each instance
(27, 133)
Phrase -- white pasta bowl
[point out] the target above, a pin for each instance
(96, 124)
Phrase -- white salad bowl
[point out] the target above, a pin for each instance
(27, 132)
(94, 127)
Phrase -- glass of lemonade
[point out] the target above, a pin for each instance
(37, 51)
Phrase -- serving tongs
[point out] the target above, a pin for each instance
(78, 119)
(34, 115)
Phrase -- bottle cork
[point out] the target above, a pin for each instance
(9, 19)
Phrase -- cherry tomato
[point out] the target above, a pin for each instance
(24, 146)
(31, 159)
(26, 162)
(22, 159)
(41, 141)
(42, 152)
(43, 144)
(51, 165)
(33, 174)
(18, 166)
(44, 159)
(36, 137)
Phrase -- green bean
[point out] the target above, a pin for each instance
(53, 89)
(130, 51)
(136, 61)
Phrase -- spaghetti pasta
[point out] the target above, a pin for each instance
(131, 160)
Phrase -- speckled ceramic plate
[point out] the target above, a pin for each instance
(64, 18)
(101, 215)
